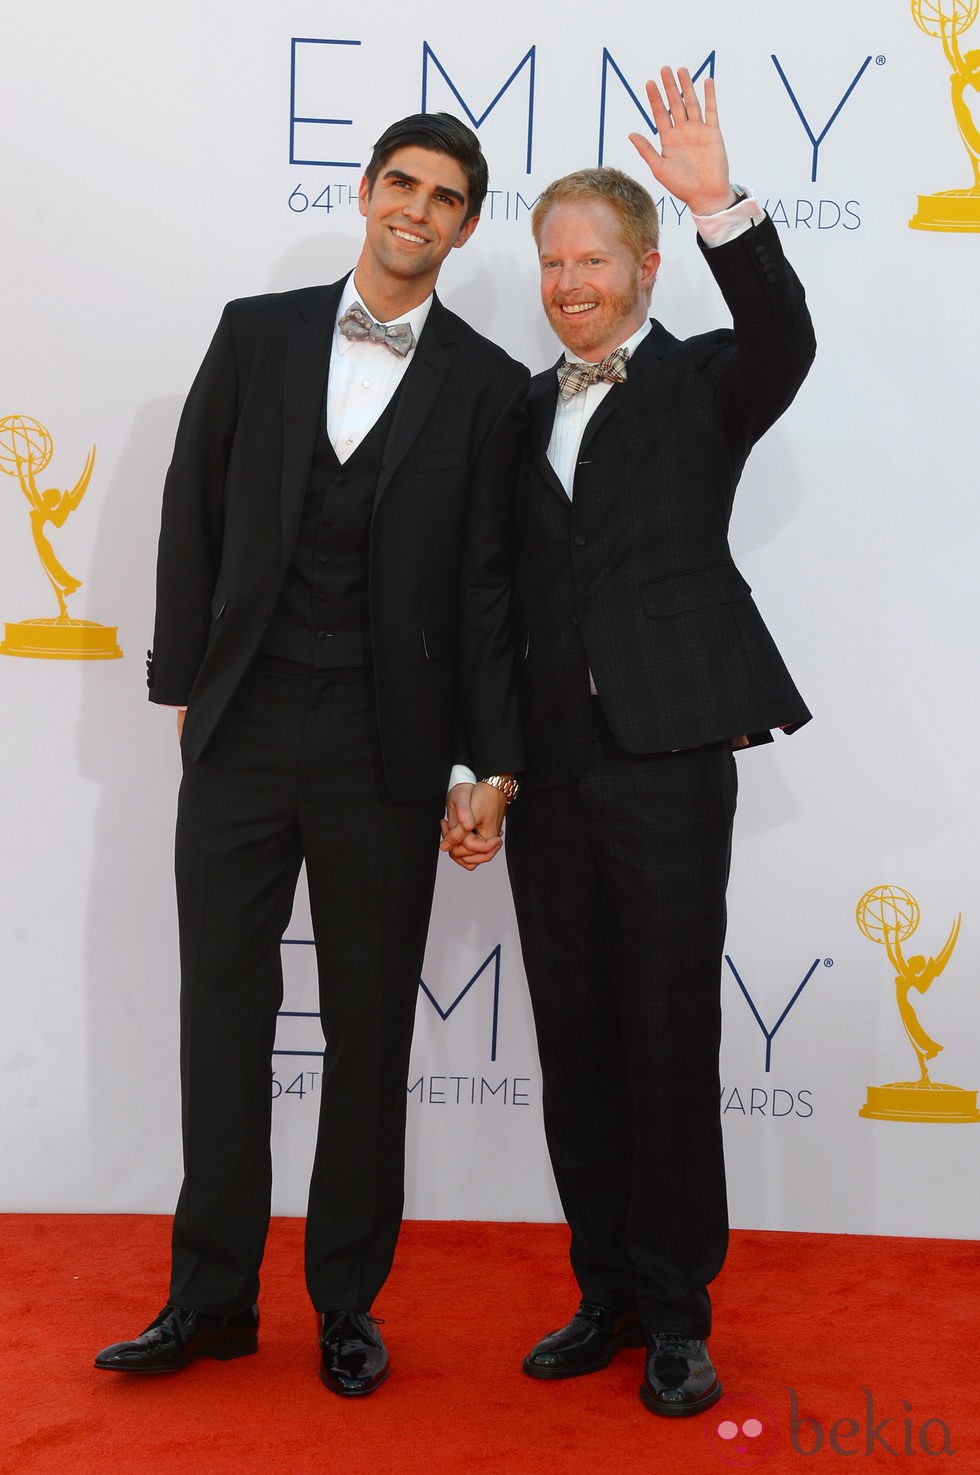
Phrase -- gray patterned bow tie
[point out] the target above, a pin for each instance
(359, 325)
(612, 370)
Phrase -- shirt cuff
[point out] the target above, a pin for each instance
(728, 225)
(460, 774)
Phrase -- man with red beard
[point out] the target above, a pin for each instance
(645, 662)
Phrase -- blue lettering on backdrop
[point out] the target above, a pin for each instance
(492, 958)
(305, 80)
(526, 61)
(770, 1034)
(306, 119)
(608, 61)
(816, 142)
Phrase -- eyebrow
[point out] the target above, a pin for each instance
(442, 189)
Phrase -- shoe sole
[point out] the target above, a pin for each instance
(223, 1353)
(631, 1338)
(679, 1410)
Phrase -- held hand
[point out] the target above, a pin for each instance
(181, 714)
(691, 162)
(471, 829)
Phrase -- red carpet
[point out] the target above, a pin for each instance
(840, 1348)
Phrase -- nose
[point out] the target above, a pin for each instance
(568, 277)
(418, 207)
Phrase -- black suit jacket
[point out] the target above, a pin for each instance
(438, 544)
(633, 578)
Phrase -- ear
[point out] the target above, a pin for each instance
(363, 195)
(466, 231)
(649, 266)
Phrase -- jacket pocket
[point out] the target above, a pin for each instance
(698, 588)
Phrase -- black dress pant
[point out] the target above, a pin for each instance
(619, 886)
(294, 773)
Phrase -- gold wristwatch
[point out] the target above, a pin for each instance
(507, 785)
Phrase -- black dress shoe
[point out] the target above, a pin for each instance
(680, 1379)
(589, 1342)
(178, 1336)
(353, 1360)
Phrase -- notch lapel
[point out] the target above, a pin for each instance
(641, 367)
(420, 388)
(542, 401)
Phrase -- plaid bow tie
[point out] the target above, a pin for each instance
(612, 370)
(359, 326)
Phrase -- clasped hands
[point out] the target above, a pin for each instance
(472, 828)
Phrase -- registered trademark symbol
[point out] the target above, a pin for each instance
(828, 962)
(880, 61)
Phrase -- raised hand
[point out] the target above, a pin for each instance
(691, 162)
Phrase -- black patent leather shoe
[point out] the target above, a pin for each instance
(589, 1342)
(680, 1378)
(178, 1336)
(353, 1359)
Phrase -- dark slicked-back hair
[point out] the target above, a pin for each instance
(638, 218)
(443, 134)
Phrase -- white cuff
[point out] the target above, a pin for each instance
(728, 225)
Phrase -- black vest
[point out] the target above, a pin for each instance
(323, 618)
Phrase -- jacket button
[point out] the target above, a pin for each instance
(574, 619)
(579, 540)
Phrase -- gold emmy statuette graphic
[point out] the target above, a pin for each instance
(25, 451)
(946, 20)
(888, 915)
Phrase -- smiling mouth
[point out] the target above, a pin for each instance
(404, 235)
(571, 309)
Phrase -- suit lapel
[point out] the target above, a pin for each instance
(420, 389)
(642, 365)
(542, 400)
(304, 405)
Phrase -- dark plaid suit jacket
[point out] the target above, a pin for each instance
(634, 578)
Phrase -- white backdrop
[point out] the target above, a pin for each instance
(147, 179)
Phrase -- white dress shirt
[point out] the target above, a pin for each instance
(363, 376)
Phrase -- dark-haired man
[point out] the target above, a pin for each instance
(331, 612)
(644, 662)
